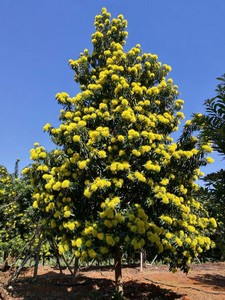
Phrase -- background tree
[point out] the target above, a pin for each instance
(5, 184)
(211, 129)
(213, 122)
(17, 218)
(117, 182)
(20, 233)
(212, 195)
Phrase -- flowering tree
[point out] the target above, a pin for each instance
(117, 182)
(16, 214)
(213, 197)
(210, 128)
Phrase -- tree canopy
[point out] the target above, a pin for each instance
(116, 179)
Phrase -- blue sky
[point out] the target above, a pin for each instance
(39, 37)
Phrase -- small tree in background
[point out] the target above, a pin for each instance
(211, 125)
(117, 182)
(211, 129)
(213, 122)
(17, 215)
(5, 194)
(212, 195)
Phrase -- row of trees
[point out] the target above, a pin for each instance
(117, 182)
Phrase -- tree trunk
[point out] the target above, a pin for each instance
(67, 265)
(25, 260)
(63, 257)
(29, 253)
(76, 266)
(55, 250)
(118, 270)
(5, 255)
(37, 259)
(142, 260)
(5, 265)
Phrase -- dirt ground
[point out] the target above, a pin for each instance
(204, 282)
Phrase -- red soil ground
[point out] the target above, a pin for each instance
(204, 282)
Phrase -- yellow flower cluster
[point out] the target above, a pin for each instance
(37, 153)
(117, 166)
(98, 183)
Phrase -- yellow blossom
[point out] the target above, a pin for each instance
(92, 253)
(140, 176)
(76, 138)
(78, 242)
(35, 204)
(110, 240)
(209, 159)
(102, 154)
(65, 184)
(47, 127)
(82, 164)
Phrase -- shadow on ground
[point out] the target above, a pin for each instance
(63, 287)
(217, 282)
(136, 290)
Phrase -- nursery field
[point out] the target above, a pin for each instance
(204, 282)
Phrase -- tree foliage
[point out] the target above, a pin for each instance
(212, 196)
(212, 123)
(210, 128)
(17, 218)
(116, 179)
